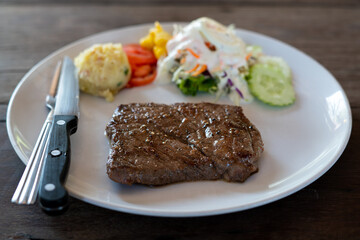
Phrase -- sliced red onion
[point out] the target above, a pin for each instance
(236, 89)
(239, 92)
(207, 73)
(225, 74)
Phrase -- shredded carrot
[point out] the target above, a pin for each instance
(248, 56)
(194, 69)
(193, 53)
(179, 51)
(183, 60)
(200, 70)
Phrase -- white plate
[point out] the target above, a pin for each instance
(301, 141)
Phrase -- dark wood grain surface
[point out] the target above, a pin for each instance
(329, 31)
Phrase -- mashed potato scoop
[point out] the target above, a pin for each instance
(103, 70)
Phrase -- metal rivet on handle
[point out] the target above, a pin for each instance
(55, 153)
(49, 187)
(60, 122)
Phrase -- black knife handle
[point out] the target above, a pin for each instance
(53, 197)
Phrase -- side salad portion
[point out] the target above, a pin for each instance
(206, 56)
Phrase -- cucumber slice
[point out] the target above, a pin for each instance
(270, 82)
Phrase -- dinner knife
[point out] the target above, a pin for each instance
(53, 197)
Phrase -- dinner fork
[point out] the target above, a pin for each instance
(27, 189)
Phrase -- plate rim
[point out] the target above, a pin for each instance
(162, 213)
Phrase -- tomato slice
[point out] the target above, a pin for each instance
(142, 71)
(140, 81)
(139, 55)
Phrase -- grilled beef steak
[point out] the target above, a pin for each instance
(157, 144)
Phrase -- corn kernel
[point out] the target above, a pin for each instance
(147, 42)
(161, 38)
(159, 51)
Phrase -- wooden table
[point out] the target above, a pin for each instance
(329, 31)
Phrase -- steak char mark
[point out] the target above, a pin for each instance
(157, 144)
